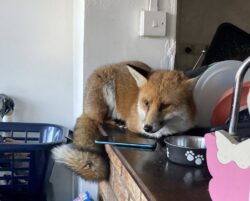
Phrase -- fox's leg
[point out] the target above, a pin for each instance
(95, 97)
(99, 101)
(86, 132)
(96, 108)
(87, 159)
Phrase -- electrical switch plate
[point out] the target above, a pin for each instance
(153, 23)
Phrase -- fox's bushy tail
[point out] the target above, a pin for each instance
(83, 156)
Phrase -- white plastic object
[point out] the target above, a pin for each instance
(230, 149)
(153, 5)
(248, 101)
(153, 23)
(211, 85)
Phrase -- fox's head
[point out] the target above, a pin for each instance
(165, 102)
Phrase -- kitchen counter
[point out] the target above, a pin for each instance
(138, 175)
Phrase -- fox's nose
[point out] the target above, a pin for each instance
(148, 128)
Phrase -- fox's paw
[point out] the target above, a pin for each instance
(89, 165)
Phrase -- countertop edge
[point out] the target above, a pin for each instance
(133, 174)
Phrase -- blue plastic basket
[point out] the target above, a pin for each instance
(25, 167)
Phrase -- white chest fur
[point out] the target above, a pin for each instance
(110, 99)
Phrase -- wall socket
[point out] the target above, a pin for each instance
(153, 23)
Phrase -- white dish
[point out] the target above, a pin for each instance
(211, 85)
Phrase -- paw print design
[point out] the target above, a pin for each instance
(167, 152)
(189, 155)
(198, 159)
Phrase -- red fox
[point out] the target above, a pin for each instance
(150, 102)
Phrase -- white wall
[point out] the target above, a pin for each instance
(111, 34)
(36, 59)
(36, 67)
(78, 42)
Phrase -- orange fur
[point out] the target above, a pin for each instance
(116, 91)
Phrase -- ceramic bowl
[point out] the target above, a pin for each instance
(186, 150)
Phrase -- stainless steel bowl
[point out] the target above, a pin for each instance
(186, 150)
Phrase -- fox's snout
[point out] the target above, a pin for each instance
(148, 128)
(151, 116)
(151, 121)
(152, 128)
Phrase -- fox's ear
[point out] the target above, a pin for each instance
(139, 78)
(192, 82)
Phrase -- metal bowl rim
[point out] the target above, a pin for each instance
(191, 148)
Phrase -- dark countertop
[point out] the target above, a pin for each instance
(161, 180)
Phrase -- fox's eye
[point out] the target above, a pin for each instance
(146, 103)
(164, 106)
